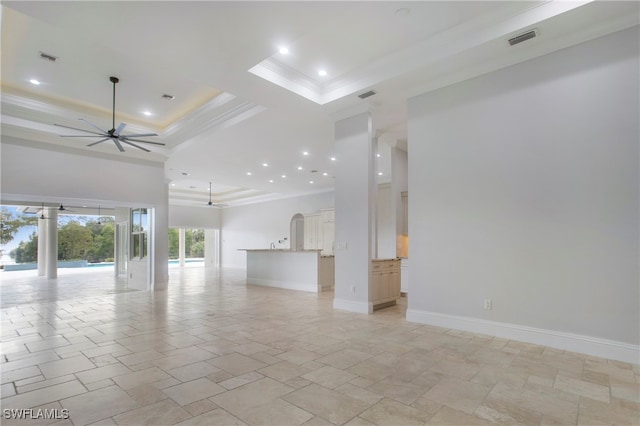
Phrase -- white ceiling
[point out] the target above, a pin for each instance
(226, 120)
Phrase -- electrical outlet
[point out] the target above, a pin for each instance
(488, 304)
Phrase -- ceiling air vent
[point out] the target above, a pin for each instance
(168, 97)
(366, 94)
(48, 57)
(522, 37)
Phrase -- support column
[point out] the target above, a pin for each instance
(52, 242)
(181, 246)
(355, 213)
(42, 246)
(211, 248)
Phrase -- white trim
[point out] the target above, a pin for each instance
(287, 285)
(353, 306)
(594, 346)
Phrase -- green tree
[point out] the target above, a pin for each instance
(174, 243)
(194, 242)
(74, 241)
(103, 235)
(10, 224)
(27, 251)
(197, 249)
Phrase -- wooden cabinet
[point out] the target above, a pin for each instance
(385, 282)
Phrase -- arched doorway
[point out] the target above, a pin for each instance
(297, 232)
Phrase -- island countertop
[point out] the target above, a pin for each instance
(283, 250)
(304, 270)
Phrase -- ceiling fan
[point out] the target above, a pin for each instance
(42, 216)
(115, 134)
(62, 208)
(211, 203)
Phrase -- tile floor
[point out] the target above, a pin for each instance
(213, 351)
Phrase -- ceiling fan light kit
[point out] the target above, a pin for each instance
(115, 134)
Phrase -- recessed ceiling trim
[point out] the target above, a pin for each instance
(456, 40)
(288, 78)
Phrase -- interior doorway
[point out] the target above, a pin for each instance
(297, 232)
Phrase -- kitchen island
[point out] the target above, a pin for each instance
(305, 270)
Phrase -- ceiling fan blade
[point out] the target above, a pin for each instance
(92, 125)
(121, 127)
(137, 146)
(117, 142)
(139, 135)
(97, 142)
(81, 130)
(83, 136)
(126, 138)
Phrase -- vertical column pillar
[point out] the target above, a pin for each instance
(210, 248)
(181, 246)
(42, 246)
(52, 242)
(354, 213)
(160, 255)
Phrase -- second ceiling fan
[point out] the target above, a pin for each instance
(115, 134)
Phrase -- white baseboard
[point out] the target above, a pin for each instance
(287, 285)
(594, 346)
(353, 306)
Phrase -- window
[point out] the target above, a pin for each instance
(139, 224)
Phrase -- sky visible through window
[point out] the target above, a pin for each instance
(24, 232)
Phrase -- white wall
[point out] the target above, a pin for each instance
(355, 194)
(33, 174)
(524, 187)
(194, 217)
(386, 222)
(258, 225)
(400, 184)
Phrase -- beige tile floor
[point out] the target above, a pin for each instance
(213, 351)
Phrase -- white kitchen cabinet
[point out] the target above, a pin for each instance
(385, 282)
(328, 225)
(312, 232)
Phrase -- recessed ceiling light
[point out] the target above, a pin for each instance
(270, 180)
(284, 176)
(34, 81)
(305, 153)
(173, 184)
(325, 174)
(284, 50)
(299, 167)
(310, 181)
(333, 158)
(249, 173)
(147, 113)
(265, 164)
(322, 73)
(379, 173)
(378, 155)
